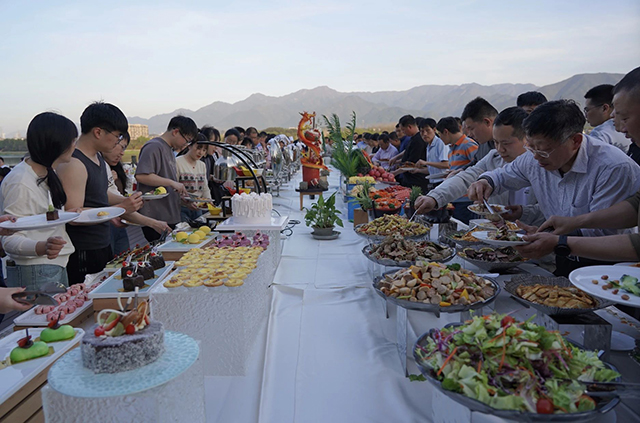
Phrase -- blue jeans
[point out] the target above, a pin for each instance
(186, 214)
(119, 239)
(34, 276)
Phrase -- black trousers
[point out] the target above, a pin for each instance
(86, 262)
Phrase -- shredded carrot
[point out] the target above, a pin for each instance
(504, 350)
(479, 365)
(447, 360)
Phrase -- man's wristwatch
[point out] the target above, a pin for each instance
(562, 249)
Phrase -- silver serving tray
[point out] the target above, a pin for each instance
(433, 308)
(604, 405)
(378, 238)
(491, 266)
(403, 263)
(517, 280)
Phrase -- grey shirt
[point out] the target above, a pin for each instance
(156, 156)
(600, 177)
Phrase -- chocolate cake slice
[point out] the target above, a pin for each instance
(145, 269)
(130, 282)
(122, 353)
(156, 261)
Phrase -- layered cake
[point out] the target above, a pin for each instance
(122, 341)
(131, 281)
(52, 214)
(145, 269)
(251, 208)
(156, 260)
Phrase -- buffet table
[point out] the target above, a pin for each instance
(328, 352)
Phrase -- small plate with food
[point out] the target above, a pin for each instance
(156, 194)
(619, 284)
(100, 215)
(482, 210)
(501, 238)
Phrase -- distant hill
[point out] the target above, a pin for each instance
(372, 108)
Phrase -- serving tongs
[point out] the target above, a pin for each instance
(608, 389)
(44, 296)
(500, 223)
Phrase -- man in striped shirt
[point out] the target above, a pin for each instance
(463, 149)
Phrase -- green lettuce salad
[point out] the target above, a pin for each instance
(512, 365)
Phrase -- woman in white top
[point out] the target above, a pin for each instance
(39, 256)
(192, 173)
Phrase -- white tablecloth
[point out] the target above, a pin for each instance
(328, 351)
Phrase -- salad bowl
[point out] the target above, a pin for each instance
(603, 404)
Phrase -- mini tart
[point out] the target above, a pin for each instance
(213, 282)
(192, 283)
(173, 283)
(238, 275)
(234, 282)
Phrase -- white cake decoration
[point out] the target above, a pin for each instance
(252, 208)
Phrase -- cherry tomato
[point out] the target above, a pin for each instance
(99, 331)
(130, 330)
(544, 406)
(507, 320)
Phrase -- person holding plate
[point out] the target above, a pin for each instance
(39, 256)
(192, 173)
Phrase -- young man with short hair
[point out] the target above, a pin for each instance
(157, 168)
(570, 173)
(598, 109)
(437, 157)
(478, 116)
(415, 152)
(530, 100)
(85, 182)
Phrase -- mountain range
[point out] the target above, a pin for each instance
(373, 109)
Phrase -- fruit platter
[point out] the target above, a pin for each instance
(515, 370)
(378, 229)
(436, 288)
(396, 251)
(185, 240)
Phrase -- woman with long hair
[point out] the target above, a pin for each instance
(39, 256)
(192, 173)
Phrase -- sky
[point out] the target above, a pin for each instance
(151, 57)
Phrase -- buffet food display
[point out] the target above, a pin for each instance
(438, 285)
(392, 224)
(488, 258)
(512, 369)
(394, 250)
(215, 266)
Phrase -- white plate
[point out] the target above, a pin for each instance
(91, 216)
(496, 207)
(154, 196)
(629, 264)
(621, 341)
(583, 277)
(39, 221)
(14, 377)
(484, 237)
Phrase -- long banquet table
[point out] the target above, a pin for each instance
(328, 352)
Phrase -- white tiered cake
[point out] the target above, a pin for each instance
(251, 208)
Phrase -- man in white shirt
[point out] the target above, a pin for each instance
(597, 110)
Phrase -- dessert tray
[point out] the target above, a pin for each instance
(39, 221)
(15, 376)
(231, 224)
(69, 377)
(174, 246)
(112, 286)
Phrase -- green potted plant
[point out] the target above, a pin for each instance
(323, 216)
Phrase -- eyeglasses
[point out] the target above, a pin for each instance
(189, 141)
(539, 153)
(119, 137)
(588, 109)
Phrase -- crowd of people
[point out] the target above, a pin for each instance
(71, 171)
(576, 194)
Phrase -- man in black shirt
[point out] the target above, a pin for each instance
(417, 150)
